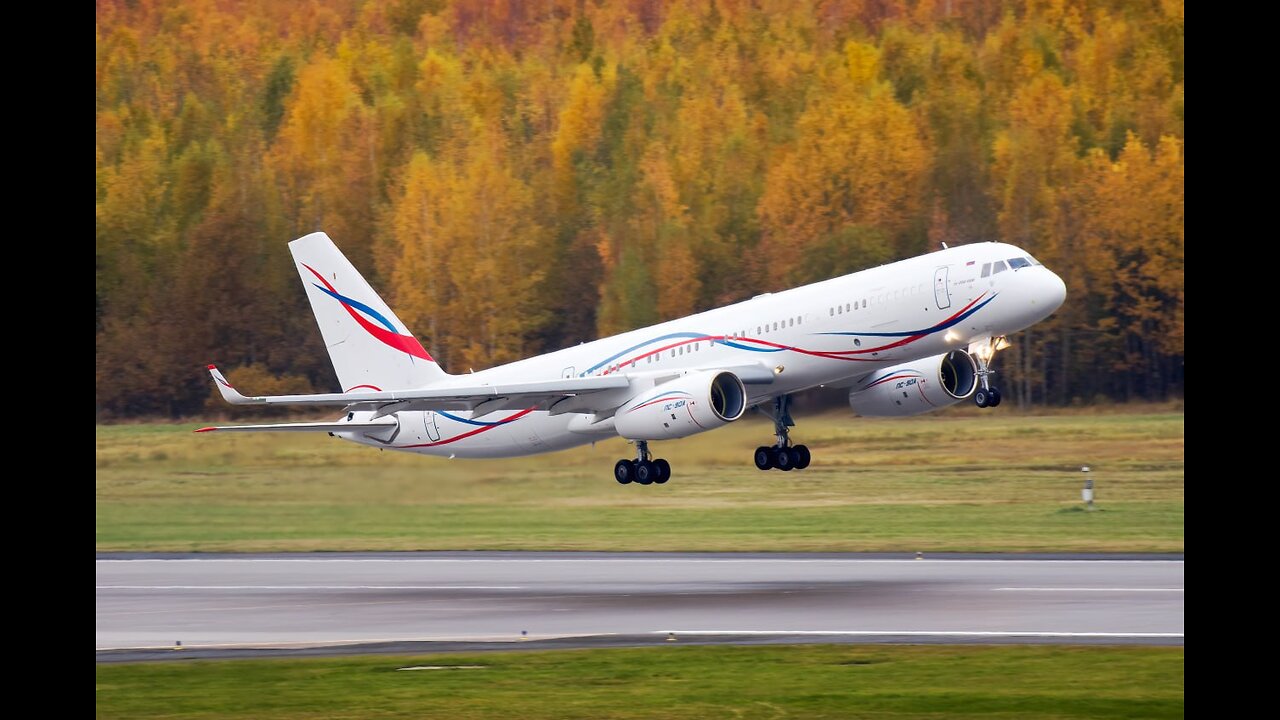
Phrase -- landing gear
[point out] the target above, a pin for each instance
(664, 471)
(624, 471)
(642, 470)
(986, 395)
(985, 398)
(764, 457)
(783, 455)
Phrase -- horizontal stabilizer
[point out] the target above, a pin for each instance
(443, 396)
(371, 427)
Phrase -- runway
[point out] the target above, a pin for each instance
(225, 604)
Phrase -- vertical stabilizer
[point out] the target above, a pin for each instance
(369, 346)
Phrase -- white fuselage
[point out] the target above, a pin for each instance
(833, 332)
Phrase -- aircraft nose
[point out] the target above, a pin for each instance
(1055, 291)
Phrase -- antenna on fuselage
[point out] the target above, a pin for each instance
(944, 244)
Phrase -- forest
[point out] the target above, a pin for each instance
(518, 176)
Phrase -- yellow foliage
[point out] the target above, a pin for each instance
(521, 174)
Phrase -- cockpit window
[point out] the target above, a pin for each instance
(1033, 260)
(1015, 263)
(998, 267)
(986, 269)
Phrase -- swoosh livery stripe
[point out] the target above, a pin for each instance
(357, 305)
(387, 334)
(468, 421)
(765, 346)
(477, 431)
(693, 337)
(956, 319)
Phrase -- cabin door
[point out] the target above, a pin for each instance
(941, 289)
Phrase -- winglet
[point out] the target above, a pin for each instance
(229, 393)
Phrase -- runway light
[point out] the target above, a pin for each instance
(1086, 493)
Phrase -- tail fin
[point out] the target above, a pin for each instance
(369, 346)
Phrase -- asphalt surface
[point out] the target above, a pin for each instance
(256, 605)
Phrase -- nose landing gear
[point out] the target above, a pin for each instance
(983, 352)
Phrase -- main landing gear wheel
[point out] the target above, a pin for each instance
(764, 457)
(643, 470)
(783, 459)
(624, 471)
(783, 455)
(664, 470)
(802, 456)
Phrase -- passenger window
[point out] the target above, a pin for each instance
(846, 307)
(864, 302)
(998, 267)
(986, 269)
(831, 311)
(839, 310)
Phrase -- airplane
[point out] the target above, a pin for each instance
(904, 338)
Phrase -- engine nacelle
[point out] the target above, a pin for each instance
(916, 387)
(684, 406)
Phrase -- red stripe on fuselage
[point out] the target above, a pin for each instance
(477, 431)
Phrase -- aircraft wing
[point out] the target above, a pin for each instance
(481, 398)
(600, 394)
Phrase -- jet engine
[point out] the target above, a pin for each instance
(916, 387)
(687, 405)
